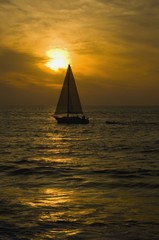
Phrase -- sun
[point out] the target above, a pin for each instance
(58, 59)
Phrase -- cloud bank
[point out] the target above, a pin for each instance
(114, 47)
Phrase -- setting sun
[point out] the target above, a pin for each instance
(58, 59)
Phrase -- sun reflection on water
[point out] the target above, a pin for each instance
(50, 197)
(54, 207)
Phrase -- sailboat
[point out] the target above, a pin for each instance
(69, 109)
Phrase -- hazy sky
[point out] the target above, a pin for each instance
(113, 47)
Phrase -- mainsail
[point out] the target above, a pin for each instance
(69, 102)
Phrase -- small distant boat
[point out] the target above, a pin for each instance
(69, 109)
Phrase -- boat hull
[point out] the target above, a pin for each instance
(72, 120)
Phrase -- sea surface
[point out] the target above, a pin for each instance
(79, 182)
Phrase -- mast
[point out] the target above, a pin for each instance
(68, 92)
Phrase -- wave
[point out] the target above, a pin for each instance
(128, 173)
(35, 171)
(113, 122)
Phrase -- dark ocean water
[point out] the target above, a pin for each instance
(81, 182)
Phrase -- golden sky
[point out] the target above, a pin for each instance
(112, 46)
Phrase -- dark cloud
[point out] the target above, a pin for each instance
(16, 61)
(5, 2)
(22, 81)
(136, 4)
(23, 67)
(19, 68)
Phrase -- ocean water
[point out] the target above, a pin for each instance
(79, 182)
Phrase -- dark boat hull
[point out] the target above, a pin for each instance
(72, 120)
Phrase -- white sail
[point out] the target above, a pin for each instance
(69, 102)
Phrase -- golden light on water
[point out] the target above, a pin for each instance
(58, 59)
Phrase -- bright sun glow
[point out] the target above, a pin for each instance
(58, 59)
